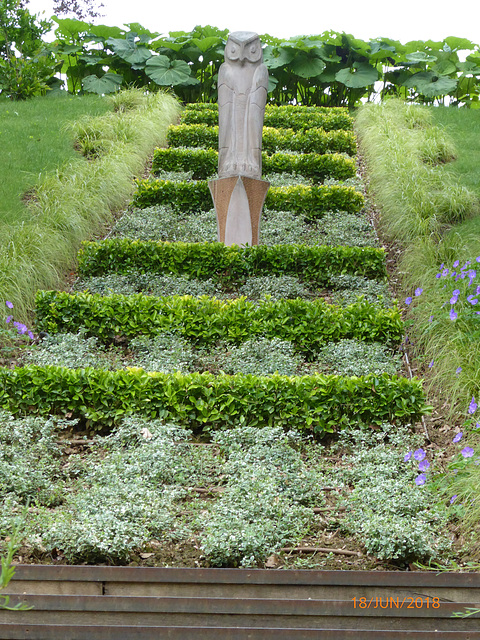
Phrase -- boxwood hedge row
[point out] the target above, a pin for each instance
(229, 264)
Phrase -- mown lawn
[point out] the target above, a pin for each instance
(34, 140)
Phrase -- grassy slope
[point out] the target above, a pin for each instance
(34, 141)
(451, 346)
(74, 202)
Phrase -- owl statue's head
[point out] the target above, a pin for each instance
(243, 46)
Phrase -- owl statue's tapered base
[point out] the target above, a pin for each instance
(238, 202)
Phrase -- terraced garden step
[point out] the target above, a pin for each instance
(124, 602)
(273, 140)
(230, 264)
(309, 202)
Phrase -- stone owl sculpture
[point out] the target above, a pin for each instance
(242, 95)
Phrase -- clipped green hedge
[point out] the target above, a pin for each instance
(309, 141)
(189, 197)
(204, 163)
(201, 400)
(232, 264)
(307, 324)
(286, 117)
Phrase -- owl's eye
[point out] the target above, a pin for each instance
(233, 50)
(253, 49)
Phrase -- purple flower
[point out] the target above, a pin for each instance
(31, 336)
(9, 319)
(458, 370)
(473, 406)
(467, 452)
(453, 498)
(408, 300)
(419, 455)
(477, 292)
(421, 479)
(439, 275)
(9, 304)
(453, 314)
(407, 456)
(477, 426)
(477, 258)
(453, 299)
(456, 263)
(445, 272)
(423, 465)
(418, 291)
(21, 328)
(472, 299)
(458, 437)
(430, 319)
(431, 364)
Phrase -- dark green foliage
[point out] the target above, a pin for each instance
(310, 141)
(229, 264)
(204, 163)
(311, 202)
(283, 117)
(201, 400)
(307, 324)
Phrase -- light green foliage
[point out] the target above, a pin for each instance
(393, 517)
(30, 461)
(72, 350)
(348, 288)
(346, 229)
(129, 493)
(148, 283)
(277, 287)
(262, 356)
(167, 352)
(263, 505)
(355, 358)
(163, 223)
(286, 179)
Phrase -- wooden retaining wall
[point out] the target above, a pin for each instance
(112, 603)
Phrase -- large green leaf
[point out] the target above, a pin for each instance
(109, 83)
(70, 28)
(105, 32)
(420, 56)
(359, 75)
(166, 72)
(459, 43)
(307, 66)
(431, 85)
(379, 50)
(276, 57)
(444, 68)
(128, 50)
(141, 31)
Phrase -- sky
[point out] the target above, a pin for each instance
(365, 19)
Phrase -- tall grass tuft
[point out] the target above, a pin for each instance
(78, 199)
(426, 209)
(403, 151)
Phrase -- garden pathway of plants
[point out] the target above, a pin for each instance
(225, 406)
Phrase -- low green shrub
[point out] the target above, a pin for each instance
(355, 358)
(214, 260)
(273, 140)
(294, 117)
(263, 463)
(309, 324)
(204, 162)
(386, 510)
(349, 287)
(309, 201)
(318, 403)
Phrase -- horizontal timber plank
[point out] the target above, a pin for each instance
(245, 576)
(244, 612)
(64, 632)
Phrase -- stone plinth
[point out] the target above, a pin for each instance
(238, 202)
